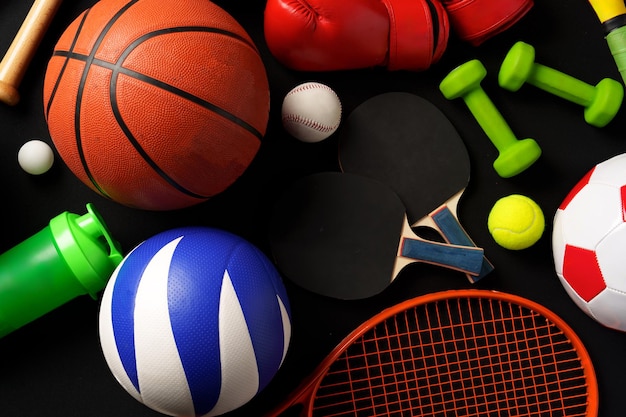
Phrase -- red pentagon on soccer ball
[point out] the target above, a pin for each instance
(588, 241)
(583, 273)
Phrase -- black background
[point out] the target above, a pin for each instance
(54, 366)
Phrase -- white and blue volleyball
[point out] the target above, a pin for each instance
(195, 322)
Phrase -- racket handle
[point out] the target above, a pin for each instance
(616, 39)
(15, 61)
(454, 233)
(461, 258)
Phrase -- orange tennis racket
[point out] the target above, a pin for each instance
(455, 353)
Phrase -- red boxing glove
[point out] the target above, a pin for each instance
(328, 35)
(475, 21)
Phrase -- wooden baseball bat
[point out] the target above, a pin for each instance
(22, 49)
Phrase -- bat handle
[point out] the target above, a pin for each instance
(22, 49)
(616, 40)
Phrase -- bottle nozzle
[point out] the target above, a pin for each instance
(88, 248)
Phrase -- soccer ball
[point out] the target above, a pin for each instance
(589, 243)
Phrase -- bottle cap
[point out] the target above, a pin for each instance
(87, 247)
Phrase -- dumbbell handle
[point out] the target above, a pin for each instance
(562, 85)
(490, 119)
(15, 61)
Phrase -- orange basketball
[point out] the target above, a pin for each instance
(156, 104)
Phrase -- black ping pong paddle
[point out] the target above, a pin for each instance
(346, 236)
(406, 142)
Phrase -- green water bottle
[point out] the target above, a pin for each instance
(74, 255)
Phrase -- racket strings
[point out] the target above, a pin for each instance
(457, 357)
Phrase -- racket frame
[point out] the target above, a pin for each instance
(305, 393)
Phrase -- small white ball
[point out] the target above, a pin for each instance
(35, 157)
(311, 112)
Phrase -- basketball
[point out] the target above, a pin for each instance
(156, 105)
(195, 321)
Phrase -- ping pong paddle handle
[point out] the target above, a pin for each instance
(454, 233)
(22, 49)
(467, 259)
(444, 220)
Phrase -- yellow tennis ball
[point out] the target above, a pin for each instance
(516, 222)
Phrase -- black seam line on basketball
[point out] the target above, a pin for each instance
(140, 150)
(136, 145)
(184, 94)
(79, 97)
(65, 64)
(118, 68)
(127, 131)
(129, 134)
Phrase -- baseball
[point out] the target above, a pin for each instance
(311, 112)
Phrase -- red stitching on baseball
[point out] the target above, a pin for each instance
(310, 86)
(308, 122)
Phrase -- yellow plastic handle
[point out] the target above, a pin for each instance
(608, 9)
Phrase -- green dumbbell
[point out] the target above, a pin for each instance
(601, 102)
(515, 155)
